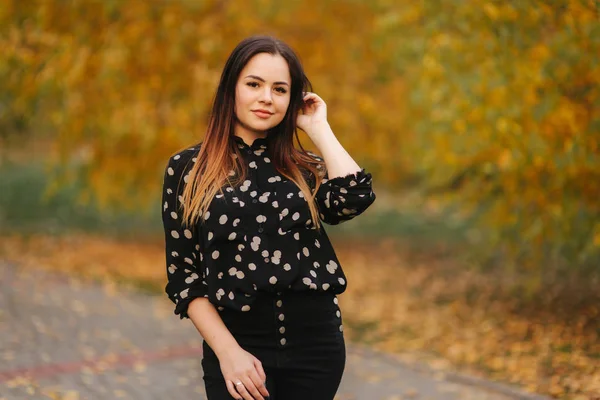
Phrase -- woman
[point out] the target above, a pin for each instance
(248, 260)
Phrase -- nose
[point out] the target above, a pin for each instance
(265, 96)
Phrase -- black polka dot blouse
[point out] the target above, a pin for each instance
(256, 237)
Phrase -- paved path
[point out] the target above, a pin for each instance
(64, 339)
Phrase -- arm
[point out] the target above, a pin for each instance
(346, 190)
(344, 197)
(236, 363)
(209, 324)
(185, 273)
(186, 286)
(313, 121)
(188, 289)
(339, 163)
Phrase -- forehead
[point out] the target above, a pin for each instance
(270, 67)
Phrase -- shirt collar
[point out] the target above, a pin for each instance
(259, 142)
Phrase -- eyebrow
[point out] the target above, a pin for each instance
(262, 80)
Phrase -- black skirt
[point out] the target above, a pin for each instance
(298, 337)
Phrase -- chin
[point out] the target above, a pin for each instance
(264, 127)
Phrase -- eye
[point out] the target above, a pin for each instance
(252, 84)
(281, 90)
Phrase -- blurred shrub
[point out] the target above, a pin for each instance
(505, 107)
(26, 208)
(493, 106)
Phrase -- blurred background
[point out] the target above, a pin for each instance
(479, 120)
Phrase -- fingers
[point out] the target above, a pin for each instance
(231, 389)
(248, 390)
(312, 103)
(245, 380)
(259, 383)
(239, 392)
(260, 370)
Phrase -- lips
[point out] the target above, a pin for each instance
(264, 114)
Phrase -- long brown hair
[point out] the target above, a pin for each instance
(219, 154)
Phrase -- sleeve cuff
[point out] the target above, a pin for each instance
(359, 177)
(182, 305)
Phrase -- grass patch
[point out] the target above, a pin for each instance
(25, 208)
(412, 225)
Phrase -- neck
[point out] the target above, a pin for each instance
(248, 135)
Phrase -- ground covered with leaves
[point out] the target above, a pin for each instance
(423, 307)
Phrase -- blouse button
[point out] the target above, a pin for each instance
(254, 201)
(279, 303)
(281, 317)
(260, 230)
(282, 330)
(283, 341)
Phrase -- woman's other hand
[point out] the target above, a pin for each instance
(237, 365)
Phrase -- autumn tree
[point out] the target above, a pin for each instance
(505, 107)
(492, 106)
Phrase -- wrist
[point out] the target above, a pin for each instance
(320, 133)
(225, 347)
(319, 127)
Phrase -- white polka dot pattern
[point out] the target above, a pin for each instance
(258, 235)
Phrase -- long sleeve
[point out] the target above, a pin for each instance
(185, 274)
(342, 198)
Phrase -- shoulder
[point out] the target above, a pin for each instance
(183, 160)
(180, 164)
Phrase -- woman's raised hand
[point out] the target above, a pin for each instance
(244, 375)
(313, 113)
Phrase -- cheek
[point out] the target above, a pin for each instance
(283, 104)
(282, 108)
(241, 98)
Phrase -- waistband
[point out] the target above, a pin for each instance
(284, 318)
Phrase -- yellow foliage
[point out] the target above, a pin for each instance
(503, 94)
(524, 113)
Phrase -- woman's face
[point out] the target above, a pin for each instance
(262, 92)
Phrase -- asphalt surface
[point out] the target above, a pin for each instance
(64, 339)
